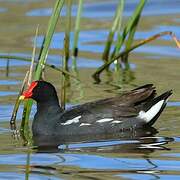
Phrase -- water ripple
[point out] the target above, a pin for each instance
(106, 9)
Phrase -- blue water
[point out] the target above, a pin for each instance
(106, 9)
(88, 41)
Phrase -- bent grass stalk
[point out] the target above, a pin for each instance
(96, 75)
(46, 64)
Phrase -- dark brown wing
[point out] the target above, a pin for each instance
(139, 95)
(126, 105)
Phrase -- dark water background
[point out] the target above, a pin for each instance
(153, 155)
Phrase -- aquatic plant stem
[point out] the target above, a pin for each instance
(63, 92)
(116, 19)
(24, 129)
(17, 103)
(67, 35)
(129, 28)
(65, 77)
(77, 29)
(132, 31)
(117, 48)
(7, 68)
(28, 164)
(48, 37)
(33, 57)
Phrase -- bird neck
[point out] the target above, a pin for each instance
(44, 106)
(46, 118)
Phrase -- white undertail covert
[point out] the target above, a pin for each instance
(152, 112)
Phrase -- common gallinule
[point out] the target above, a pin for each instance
(131, 110)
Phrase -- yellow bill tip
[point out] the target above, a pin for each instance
(21, 97)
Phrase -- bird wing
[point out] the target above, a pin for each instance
(126, 105)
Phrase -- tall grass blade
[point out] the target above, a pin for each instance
(63, 83)
(28, 164)
(63, 93)
(77, 29)
(41, 49)
(67, 34)
(117, 65)
(33, 57)
(48, 37)
(132, 31)
(132, 22)
(24, 129)
(116, 19)
(78, 86)
(65, 78)
(7, 68)
(120, 24)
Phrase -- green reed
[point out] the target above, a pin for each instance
(117, 18)
(133, 23)
(119, 27)
(24, 129)
(128, 33)
(7, 68)
(67, 35)
(77, 29)
(48, 37)
(129, 30)
(65, 78)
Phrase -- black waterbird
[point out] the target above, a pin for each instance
(103, 118)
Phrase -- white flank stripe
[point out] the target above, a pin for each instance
(116, 122)
(105, 120)
(153, 145)
(84, 124)
(151, 113)
(74, 120)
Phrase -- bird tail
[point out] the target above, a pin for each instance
(152, 110)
